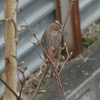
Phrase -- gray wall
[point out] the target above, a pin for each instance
(89, 12)
(88, 90)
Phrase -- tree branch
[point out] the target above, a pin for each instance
(35, 36)
(68, 56)
(9, 88)
(40, 82)
(67, 15)
(37, 51)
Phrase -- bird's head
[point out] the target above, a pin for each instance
(53, 29)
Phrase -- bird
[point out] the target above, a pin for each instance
(51, 41)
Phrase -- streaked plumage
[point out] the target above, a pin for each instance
(50, 39)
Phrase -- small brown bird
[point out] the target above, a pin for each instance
(51, 41)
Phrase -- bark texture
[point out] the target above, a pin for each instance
(9, 36)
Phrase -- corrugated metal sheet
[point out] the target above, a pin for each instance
(89, 12)
(39, 14)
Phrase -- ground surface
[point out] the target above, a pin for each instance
(91, 34)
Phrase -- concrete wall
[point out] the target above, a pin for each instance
(80, 78)
(88, 90)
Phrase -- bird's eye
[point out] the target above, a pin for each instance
(55, 29)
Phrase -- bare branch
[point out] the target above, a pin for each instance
(22, 83)
(68, 56)
(38, 51)
(59, 90)
(40, 82)
(9, 88)
(35, 36)
(59, 83)
(62, 28)
(67, 14)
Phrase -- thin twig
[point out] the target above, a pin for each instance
(22, 17)
(67, 15)
(21, 88)
(68, 56)
(15, 10)
(18, 79)
(59, 82)
(62, 28)
(9, 88)
(17, 6)
(35, 36)
(59, 89)
(37, 51)
(40, 82)
(22, 84)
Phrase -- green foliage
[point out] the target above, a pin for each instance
(87, 41)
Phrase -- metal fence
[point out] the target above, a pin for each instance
(38, 15)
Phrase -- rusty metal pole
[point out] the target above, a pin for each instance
(76, 30)
(59, 18)
(58, 10)
(72, 29)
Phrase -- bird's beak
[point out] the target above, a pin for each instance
(60, 31)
